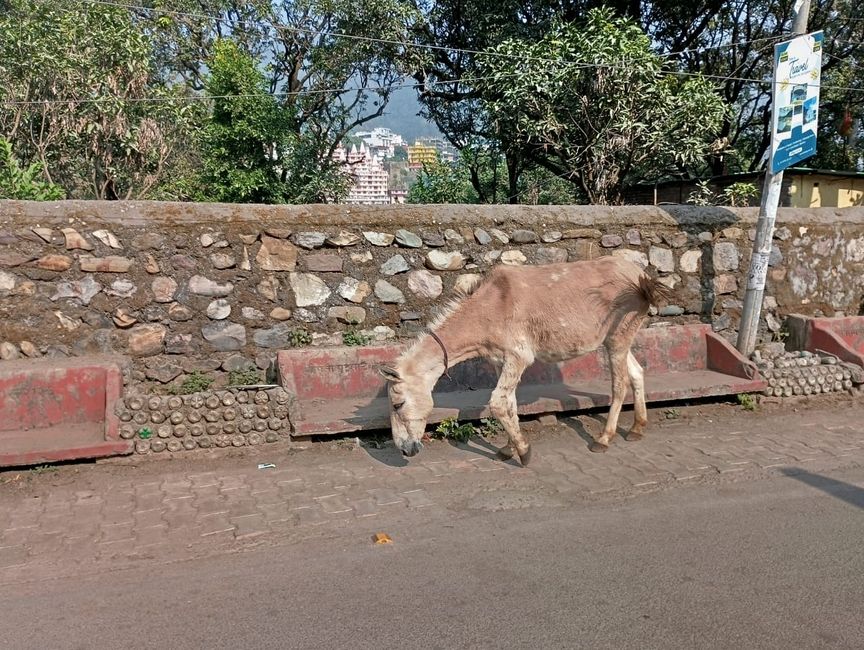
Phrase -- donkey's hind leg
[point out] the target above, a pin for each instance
(637, 383)
(504, 407)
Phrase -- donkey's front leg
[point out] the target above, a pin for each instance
(620, 377)
(504, 407)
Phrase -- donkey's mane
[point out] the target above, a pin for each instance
(447, 310)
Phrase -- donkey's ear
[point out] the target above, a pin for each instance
(389, 373)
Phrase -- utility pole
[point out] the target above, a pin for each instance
(749, 327)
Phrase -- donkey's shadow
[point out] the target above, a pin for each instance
(484, 448)
(386, 454)
(573, 422)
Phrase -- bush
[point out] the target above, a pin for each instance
(353, 337)
(245, 377)
(24, 184)
(747, 402)
(196, 382)
(450, 428)
(299, 338)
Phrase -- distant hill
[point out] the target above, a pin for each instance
(401, 117)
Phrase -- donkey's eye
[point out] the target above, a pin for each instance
(398, 406)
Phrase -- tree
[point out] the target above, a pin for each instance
(590, 102)
(840, 142)
(483, 167)
(24, 184)
(539, 186)
(316, 58)
(439, 182)
(459, 30)
(247, 135)
(252, 148)
(734, 43)
(93, 116)
(730, 42)
(400, 154)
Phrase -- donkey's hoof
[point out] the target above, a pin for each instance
(526, 457)
(598, 447)
(633, 436)
(505, 453)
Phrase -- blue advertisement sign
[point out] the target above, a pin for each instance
(795, 100)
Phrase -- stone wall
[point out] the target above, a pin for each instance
(182, 288)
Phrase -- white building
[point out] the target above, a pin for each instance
(371, 180)
(381, 141)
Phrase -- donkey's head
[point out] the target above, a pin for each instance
(410, 406)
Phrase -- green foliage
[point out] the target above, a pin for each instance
(303, 58)
(703, 194)
(247, 135)
(400, 154)
(700, 34)
(762, 23)
(439, 182)
(354, 337)
(735, 195)
(195, 382)
(539, 186)
(108, 96)
(254, 149)
(740, 194)
(299, 338)
(144, 433)
(489, 427)
(781, 336)
(840, 143)
(479, 175)
(451, 429)
(24, 184)
(104, 101)
(599, 124)
(747, 402)
(311, 176)
(244, 377)
(672, 413)
(78, 73)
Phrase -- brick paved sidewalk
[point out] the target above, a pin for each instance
(102, 515)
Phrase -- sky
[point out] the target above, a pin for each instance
(400, 115)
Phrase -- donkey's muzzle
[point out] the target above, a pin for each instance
(411, 448)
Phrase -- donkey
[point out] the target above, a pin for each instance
(520, 314)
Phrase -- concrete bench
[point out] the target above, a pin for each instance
(338, 389)
(842, 337)
(59, 409)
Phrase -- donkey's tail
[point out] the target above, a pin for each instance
(652, 291)
(639, 294)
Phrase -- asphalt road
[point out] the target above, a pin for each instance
(772, 563)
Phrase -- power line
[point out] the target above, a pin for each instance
(294, 93)
(374, 89)
(848, 62)
(288, 28)
(371, 39)
(384, 41)
(845, 42)
(723, 45)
